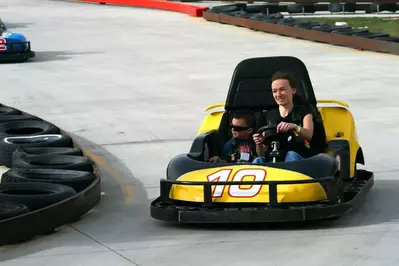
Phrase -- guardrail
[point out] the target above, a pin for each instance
(192, 10)
(305, 32)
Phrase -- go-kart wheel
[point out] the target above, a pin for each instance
(336, 193)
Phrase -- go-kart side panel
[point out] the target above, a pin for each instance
(211, 122)
(247, 193)
(340, 125)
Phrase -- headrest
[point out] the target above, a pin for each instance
(253, 94)
(250, 86)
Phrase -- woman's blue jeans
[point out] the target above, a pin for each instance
(291, 156)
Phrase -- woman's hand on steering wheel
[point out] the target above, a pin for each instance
(285, 127)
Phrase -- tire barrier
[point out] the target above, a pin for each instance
(362, 39)
(311, 6)
(78, 180)
(50, 181)
(9, 210)
(49, 151)
(9, 144)
(192, 10)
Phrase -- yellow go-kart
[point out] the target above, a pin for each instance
(326, 185)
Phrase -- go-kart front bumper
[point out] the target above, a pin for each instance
(13, 56)
(163, 208)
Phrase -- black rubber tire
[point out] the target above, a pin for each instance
(350, 7)
(330, 28)
(350, 31)
(271, 20)
(262, 8)
(335, 7)
(228, 8)
(288, 22)
(388, 39)
(67, 162)
(12, 209)
(371, 35)
(47, 151)
(373, 8)
(78, 180)
(322, 28)
(27, 128)
(308, 24)
(236, 13)
(264, 17)
(337, 194)
(297, 8)
(6, 118)
(10, 144)
(4, 110)
(248, 15)
(35, 195)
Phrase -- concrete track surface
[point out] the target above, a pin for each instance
(134, 82)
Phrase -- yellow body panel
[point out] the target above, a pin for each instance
(247, 193)
(339, 124)
(212, 120)
(213, 106)
(334, 101)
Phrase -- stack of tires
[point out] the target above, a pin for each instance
(42, 165)
(271, 14)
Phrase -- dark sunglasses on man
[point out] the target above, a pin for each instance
(239, 128)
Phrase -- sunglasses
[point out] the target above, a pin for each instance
(239, 128)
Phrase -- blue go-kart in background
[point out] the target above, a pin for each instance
(14, 47)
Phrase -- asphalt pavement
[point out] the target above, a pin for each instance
(131, 85)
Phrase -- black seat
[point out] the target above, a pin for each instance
(252, 95)
(250, 89)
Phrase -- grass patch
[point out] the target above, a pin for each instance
(387, 25)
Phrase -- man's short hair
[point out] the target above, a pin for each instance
(287, 75)
(246, 115)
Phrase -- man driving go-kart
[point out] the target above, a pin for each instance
(294, 120)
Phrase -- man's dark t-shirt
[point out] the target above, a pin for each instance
(233, 149)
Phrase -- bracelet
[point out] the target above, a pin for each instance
(298, 129)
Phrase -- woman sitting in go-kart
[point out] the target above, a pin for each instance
(293, 129)
(296, 120)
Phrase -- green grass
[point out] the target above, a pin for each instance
(387, 25)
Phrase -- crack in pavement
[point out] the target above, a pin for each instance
(138, 142)
(110, 249)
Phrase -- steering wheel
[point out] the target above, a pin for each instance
(275, 139)
(272, 135)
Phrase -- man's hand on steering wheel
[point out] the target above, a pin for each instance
(285, 127)
(258, 138)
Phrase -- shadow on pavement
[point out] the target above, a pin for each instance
(380, 207)
(16, 25)
(46, 56)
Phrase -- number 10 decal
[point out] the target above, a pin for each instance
(2, 44)
(237, 191)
